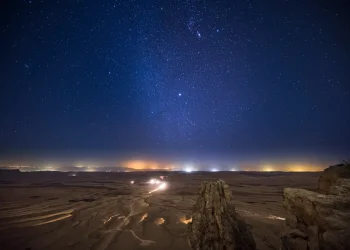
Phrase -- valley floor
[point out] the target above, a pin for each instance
(102, 211)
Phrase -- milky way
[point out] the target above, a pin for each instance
(175, 76)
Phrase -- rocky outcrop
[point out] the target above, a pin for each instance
(342, 188)
(331, 175)
(315, 220)
(215, 223)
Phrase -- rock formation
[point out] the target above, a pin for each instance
(215, 223)
(319, 221)
(331, 175)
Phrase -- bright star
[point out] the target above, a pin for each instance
(180, 94)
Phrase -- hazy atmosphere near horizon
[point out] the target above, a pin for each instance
(176, 81)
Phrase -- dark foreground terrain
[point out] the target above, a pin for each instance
(103, 211)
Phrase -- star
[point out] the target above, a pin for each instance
(178, 77)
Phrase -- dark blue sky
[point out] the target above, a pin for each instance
(175, 78)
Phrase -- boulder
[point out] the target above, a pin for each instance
(326, 211)
(318, 221)
(331, 175)
(215, 222)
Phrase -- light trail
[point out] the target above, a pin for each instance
(271, 217)
(161, 186)
(54, 220)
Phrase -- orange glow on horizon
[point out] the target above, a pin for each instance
(268, 168)
(288, 167)
(303, 168)
(147, 165)
(296, 167)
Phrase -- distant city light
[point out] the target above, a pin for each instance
(188, 170)
(268, 168)
(90, 169)
(49, 168)
(299, 167)
(185, 167)
(132, 182)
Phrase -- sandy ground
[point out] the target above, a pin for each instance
(102, 211)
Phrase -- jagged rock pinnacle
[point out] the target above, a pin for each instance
(215, 223)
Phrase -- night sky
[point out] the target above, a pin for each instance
(174, 79)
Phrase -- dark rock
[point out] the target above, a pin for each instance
(330, 176)
(215, 223)
(294, 239)
(313, 237)
(336, 239)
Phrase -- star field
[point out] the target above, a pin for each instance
(182, 77)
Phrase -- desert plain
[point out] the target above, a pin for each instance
(111, 210)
